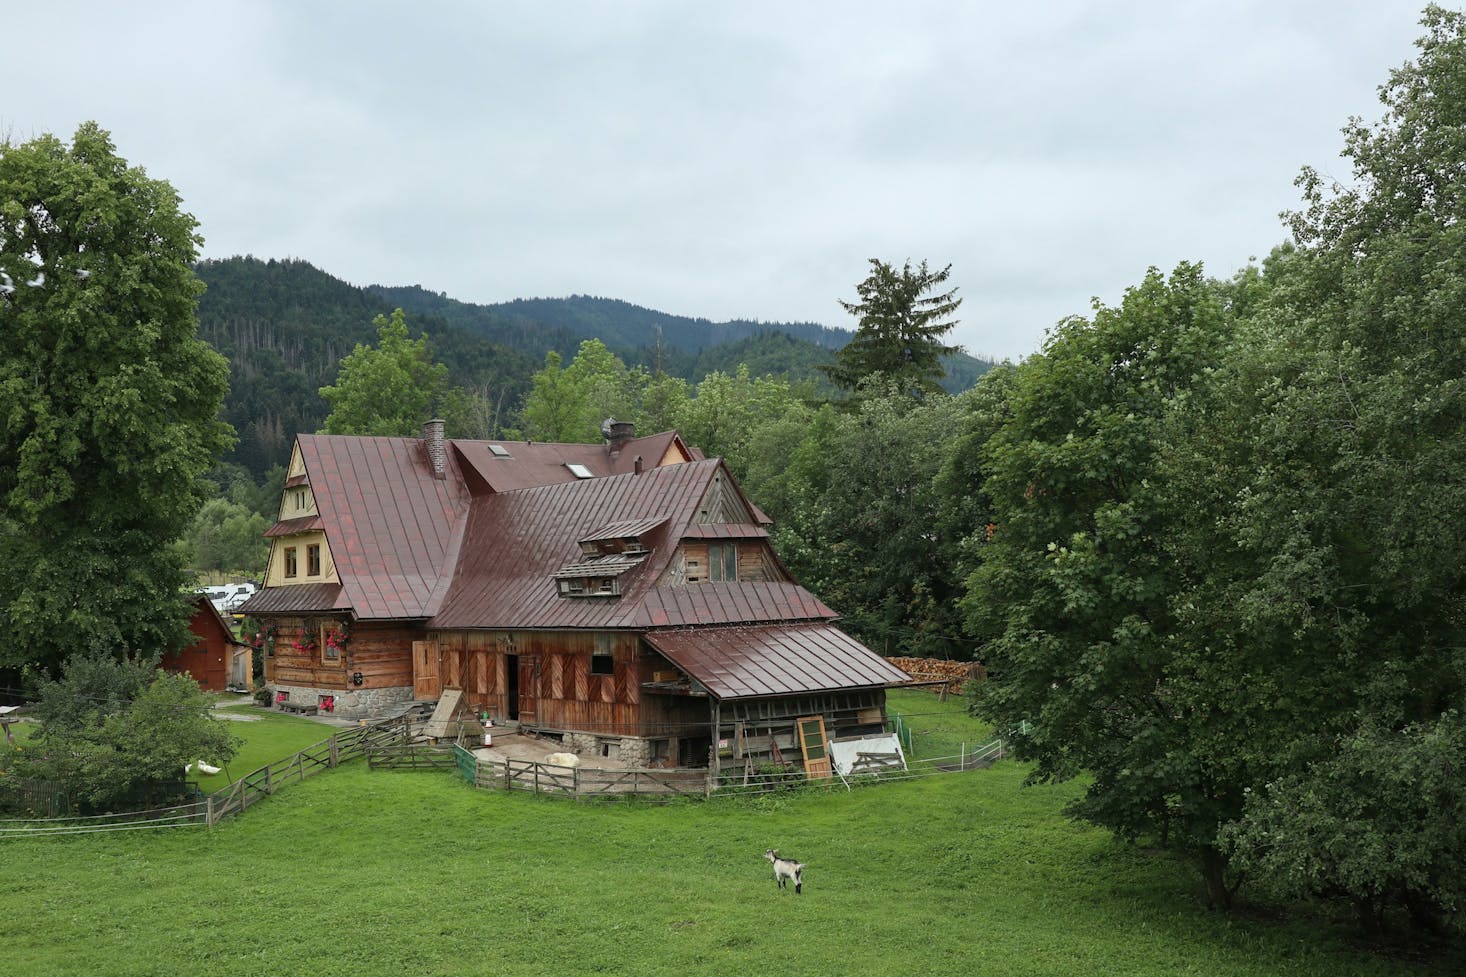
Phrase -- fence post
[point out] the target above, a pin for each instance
(335, 754)
(269, 781)
(209, 810)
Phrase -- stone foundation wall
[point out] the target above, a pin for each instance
(352, 703)
(630, 750)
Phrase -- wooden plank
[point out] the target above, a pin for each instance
(437, 726)
(425, 675)
(812, 745)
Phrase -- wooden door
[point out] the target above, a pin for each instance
(529, 675)
(426, 683)
(811, 731)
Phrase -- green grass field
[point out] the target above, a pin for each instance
(362, 873)
(267, 736)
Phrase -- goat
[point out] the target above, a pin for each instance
(786, 869)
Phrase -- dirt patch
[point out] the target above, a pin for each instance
(524, 746)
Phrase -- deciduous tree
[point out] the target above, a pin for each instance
(1075, 587)
(389, 389)
(111, 726)
(109, 402)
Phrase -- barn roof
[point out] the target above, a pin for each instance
(503, 466)
(393, 528)
(478, 549)
(516, 542)
(311, 598)
(390, 524)
(749, 662)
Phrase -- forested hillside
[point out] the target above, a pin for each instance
(285, 325)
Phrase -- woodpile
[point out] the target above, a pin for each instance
(955, 674)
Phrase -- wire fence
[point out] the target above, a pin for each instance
(245, 792)
(748, 779)
(393, 744)
(177, 816)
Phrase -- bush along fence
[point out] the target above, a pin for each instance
(246, 791)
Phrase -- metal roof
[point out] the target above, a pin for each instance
(311, 598)
(287, 527)
(625, 529)
(724, 530)
(536, 463)
(725, 603)
(394, 529)
(515, 542)
(750, 662)
(390, 524)
(610, 565)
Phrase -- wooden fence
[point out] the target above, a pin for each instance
(325, 755)
(412, 756)
(492, 773)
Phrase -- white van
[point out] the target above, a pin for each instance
(238, 594)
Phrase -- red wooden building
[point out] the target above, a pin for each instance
(215, 660)
(623, 596)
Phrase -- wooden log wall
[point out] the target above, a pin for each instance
(381, 652)
(755, 562)
(565, 693)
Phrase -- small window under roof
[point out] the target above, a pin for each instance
(499, 451)
(579, 471)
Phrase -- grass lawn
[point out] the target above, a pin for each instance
(365, 873)
(268, 735)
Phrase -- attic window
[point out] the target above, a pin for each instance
(499, 451)
(589, 587)
(579, 471)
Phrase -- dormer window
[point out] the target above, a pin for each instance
(722, 561)
(579, 471)
(606, 554)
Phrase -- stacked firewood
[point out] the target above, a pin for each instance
(956, 674)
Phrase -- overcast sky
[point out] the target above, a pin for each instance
(731, 160)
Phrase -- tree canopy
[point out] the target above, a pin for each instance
(111, 728)
(386, 390)
(109, 403)
(901, 329)
(1219, 580)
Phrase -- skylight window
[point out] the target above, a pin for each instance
(579, 471)
(499, 451)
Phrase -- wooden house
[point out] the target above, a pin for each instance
(215, 659)
(623, 597)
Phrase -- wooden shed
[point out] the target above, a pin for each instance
(216, 660)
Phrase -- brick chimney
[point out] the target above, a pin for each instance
(617, 433)
(432, 439)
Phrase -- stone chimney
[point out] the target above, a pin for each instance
(617, 433)
(432, 439)
(637, 465)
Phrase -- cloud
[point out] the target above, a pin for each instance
(728, 161)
